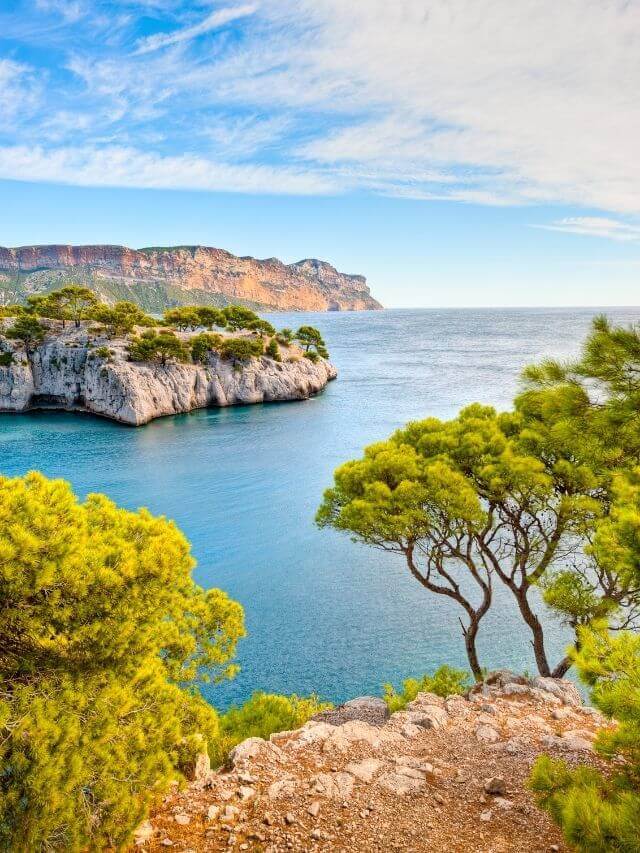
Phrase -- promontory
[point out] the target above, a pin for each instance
(69, 351)
(157, 278)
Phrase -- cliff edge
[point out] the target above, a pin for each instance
(441, 775)
(158, 278)
(69, 371)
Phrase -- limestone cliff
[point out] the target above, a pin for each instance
(157, 278)
(66, 372)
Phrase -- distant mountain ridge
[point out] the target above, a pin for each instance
(159, 277)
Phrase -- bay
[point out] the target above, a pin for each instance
(323, 614)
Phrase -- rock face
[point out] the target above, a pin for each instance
(157, 278)
(66, 372)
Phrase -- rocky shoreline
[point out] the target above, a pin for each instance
(68, 371)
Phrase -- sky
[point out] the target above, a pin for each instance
(456, 152)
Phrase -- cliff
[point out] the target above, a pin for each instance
(65, 372)
(157, 278)
(442, 775)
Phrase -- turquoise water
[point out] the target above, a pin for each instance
(323, 613)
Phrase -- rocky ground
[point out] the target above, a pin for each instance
(442, 775)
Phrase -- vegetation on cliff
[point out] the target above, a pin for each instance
(158, 341)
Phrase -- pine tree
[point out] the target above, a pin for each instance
(601, 813)
(101, 630)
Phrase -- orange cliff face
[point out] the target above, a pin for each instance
(307, 285)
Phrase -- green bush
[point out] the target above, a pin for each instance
(241, 349)
(162, 347)
(28, 329)
(6, 358)
(102, 352)
(312, 355)
(102, 627)
(445, 681)
(203, 344)
(273, 350)
(262, 715)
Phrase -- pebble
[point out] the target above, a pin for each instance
(486, 816)
(182, 819)
(314, 808)
(290, 818)
(495, 785)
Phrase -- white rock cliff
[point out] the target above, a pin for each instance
(65, 372)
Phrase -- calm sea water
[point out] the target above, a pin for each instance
(323, 614)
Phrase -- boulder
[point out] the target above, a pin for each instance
(368, 709)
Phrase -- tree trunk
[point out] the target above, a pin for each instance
(538, 634)
(562, 668)
(470, 635)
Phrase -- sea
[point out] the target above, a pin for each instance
(324, 615)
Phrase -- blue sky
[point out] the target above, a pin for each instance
(456, 152)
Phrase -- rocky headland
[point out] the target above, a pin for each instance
(442, 775)
(69, 370)
(157, 278)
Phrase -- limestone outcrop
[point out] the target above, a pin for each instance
(427, 778)
(70, 371)
(158, 277)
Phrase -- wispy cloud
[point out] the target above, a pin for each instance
(118, 166)
(596, 226)
(473, 101)
(212, 22)
(19, 88)
(70, 10)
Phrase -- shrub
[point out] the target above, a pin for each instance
(262, 715)
(26, 328)
(202, 345)
(122, 317)
(6, 358)
(241, 349)
(102, 629)
(445, 681)
(102, 352)
(161, 347)
(312, 355)
(273, 351)
(285, 337)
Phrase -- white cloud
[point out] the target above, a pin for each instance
(212, 22)
(70, 10)
(18, 88)
(477, 101)
(119, 166)
(596, 226)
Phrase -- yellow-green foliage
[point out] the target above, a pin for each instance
(101, 629)
(601, 813)
(263, 714)
(445, 681)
